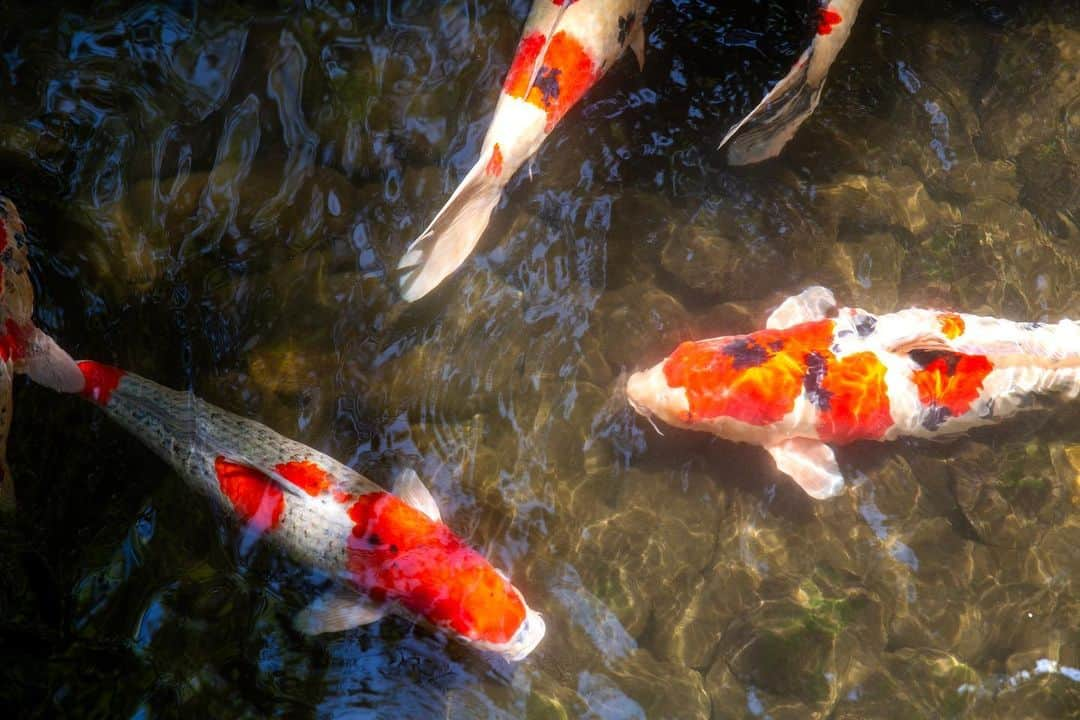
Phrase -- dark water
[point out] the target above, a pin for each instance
(216, 193)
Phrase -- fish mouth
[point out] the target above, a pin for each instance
(633, 391)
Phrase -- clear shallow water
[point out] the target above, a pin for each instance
(216, 194)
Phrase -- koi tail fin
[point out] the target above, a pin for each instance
(49, 364)
(770, 126)
(454, 232)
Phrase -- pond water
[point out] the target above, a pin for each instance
(217, 192)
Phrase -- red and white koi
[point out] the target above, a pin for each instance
(567, 46)
(819, 376)
(23, 347)
(387, 552)
(764, 132)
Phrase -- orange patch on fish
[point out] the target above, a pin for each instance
(566, 72)
(952, 325)
(99, 381)
(753, 378)
(517, 79)
(13, 340)
(952, 381)
(495, 165)
(857, 406)
(306, 475)
(400, 554)
(253, 495)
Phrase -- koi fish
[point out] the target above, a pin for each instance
(386, 552)
(820, 376)
(23, 347)
(770, 126)
(566, 48)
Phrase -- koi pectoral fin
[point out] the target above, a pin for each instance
(813, 303)
(811, 464)
(336, 611)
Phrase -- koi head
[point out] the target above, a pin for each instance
(650, 395)
(401, 555)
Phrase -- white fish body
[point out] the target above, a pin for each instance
(819, 376)
(386, 552)
(764, 132)
(565, 48)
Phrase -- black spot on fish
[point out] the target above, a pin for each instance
(865, 325)
(745, 353)
(374, 539)
(926, 357)
(393, 549)
(626, 24)
(934, 416)
(844, 333)
(818, 396)
(547, 81)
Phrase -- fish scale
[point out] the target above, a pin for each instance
(190, 434)
(384, 552)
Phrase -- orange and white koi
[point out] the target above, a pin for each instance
(819, 376)
(386, 552)
(764, 132)
(23, 347)
(566, 47)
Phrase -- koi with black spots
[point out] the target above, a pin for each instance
(566, 47)
(819, 376)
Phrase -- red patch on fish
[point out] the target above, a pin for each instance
(100, 381)
(13, 340)
(754, 378)
(857, 405)
(826, 20)
(3, 238)
(305, 475)
(952, 381)
(398, 553)
(253, 495)
(952, 325)
(495, 165)
(517, 79)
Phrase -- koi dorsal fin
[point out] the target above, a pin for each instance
(813, 303)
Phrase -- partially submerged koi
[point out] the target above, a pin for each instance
(565, 49)
(23, 347)
(764, 132)
(819, 376)
(386, 552)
